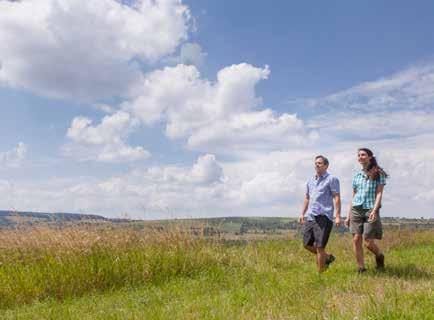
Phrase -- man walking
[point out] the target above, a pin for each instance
(322, 191)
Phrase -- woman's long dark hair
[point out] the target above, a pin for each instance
(373, 169)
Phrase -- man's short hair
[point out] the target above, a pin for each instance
(324, 159)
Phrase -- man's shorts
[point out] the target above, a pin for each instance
(359, 224)
(317, 232)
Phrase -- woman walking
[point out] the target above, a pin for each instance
(363, 218)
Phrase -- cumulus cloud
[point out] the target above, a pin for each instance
(220, 116)
(15, 157)
(207, 170)
(104, 142)
(259, 131)
(85, 48)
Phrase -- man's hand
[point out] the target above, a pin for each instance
(338, 221)
(301, 219)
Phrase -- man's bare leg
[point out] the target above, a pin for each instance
(314, 251)
(310, 248)
(321, 257)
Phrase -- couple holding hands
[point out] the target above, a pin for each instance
(323, 196)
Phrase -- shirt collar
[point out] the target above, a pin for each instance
(324, 175)
(362, 173)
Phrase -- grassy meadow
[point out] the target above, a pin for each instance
(101, 273)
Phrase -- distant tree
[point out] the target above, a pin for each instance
(244, 228)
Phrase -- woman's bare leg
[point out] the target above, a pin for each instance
(358, 250)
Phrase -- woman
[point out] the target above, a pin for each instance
(364, 215)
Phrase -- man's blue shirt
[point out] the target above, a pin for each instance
(320, 191)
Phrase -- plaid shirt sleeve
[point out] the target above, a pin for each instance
(307, 189)
(354, 185)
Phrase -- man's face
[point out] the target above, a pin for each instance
(320, 167)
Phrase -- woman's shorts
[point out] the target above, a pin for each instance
(359, 223)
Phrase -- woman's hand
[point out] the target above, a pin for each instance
(347, 221)
(373, 216)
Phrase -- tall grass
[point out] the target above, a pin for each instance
(171, 274)
(48, 263)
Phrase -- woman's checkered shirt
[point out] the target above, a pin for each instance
(366, 189)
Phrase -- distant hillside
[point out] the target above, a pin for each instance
(227, 225)
(18, 218)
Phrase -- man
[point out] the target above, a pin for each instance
(322, 191)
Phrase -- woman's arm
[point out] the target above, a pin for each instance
(347, 220)
(378, 195)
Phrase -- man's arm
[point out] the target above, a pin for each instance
(337, 201)
(335, 191)
(304, 208)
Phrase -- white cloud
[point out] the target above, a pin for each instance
(104, 142)
(112, 129)
(178, 96)
(220, 117)
(374, 125)
(85, 48)
(412, 88)
(207, 170)
(259, 131)
(15, 157)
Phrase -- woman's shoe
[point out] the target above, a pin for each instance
(379, 260)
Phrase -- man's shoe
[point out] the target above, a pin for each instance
(379, 260)
(329, 260)
(361, 270)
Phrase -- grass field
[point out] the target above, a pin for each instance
(139, 274)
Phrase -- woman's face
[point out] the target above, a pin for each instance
(363, 157)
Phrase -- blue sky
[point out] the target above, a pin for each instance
(315, 48)
(211, 108)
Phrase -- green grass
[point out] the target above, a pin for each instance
(178, 277)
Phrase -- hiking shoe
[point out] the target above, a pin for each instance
(379, 260)
(329, 260)
(361, 270)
